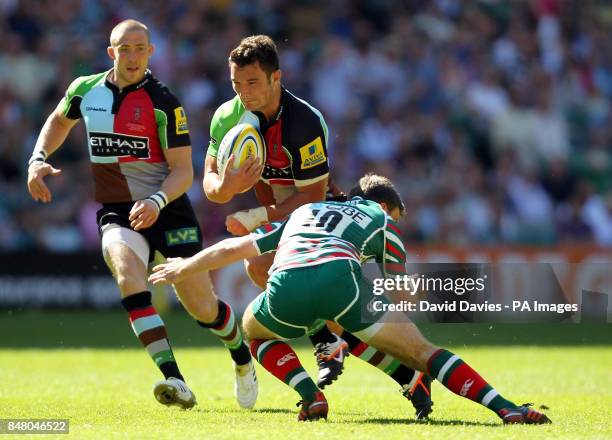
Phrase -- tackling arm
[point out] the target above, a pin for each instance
(213, 257)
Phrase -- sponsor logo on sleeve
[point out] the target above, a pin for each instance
(312, 154)
(181, 121)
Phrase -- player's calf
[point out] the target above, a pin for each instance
(406, 342)
(282, 362)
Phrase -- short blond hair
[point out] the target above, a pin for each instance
(126, 26)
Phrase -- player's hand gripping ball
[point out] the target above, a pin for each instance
(243, 141)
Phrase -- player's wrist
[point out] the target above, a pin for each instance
(252, 218)
(229, 186)
(38, 157)
(159, 199)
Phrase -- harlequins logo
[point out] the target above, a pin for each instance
(134, 125)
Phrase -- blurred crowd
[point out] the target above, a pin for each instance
(493, 117)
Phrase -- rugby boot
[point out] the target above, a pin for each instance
(245, 387)
(523, 415)
(314, 409)
(330, 357)
(419, 395)
(173, 391)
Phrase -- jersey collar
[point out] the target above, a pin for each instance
(131, 87)
(265, 123)
(283, 102)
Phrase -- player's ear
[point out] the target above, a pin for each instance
(276, 75)
(110, 52)
(151, 49)
(385, 208)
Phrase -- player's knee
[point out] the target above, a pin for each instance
(203, 309)
(129, 283)
(247, 323)
(209, 311)
(257, 272)
(197, 297)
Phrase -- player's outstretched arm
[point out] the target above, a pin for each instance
(52, 135)
(213, 257)
(146, 212)
(221, 188)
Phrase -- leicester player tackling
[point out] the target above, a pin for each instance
(316, 274)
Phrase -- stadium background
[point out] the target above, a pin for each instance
(493, 118)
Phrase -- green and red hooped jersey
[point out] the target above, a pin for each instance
(317, 233)
(296, 141)
(127, 133)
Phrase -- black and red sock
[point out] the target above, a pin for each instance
(151, 331)
(226, 328)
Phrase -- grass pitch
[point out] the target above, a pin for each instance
(106, 393)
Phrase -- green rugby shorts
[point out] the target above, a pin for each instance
(296, 299)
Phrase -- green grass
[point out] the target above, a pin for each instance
(107, 394)
(106, 391)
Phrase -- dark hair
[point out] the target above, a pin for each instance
(259, 48)
(378, 189)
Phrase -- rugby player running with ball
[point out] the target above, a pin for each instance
(296, 172)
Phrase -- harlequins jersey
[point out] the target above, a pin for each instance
(127, 132)
(296, 141)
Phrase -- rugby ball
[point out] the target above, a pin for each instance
(243, 141)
